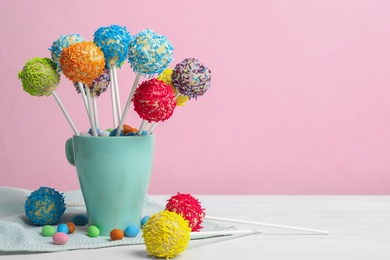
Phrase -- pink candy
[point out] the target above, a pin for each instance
(60, 238)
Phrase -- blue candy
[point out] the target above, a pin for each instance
(144, 220)
(131, 231)
(113, 132)
(63, 228)
(97, 131)
(80, 220)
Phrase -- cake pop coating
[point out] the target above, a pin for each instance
(189, 207)
(114, 41)
(166, 234)
(166, 77)
(63, 42)
(191, 78)
(98, 85)
(82, 62)
(149, 53)
(154, 100)
(39, 77)
(45, 206)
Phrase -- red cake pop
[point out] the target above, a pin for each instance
(154, 100)
(189, 207)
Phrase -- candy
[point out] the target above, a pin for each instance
(93, 231)
(63, 228)
(166, 77)
(189, 208)
(45, 206)
(128, 129)
(114, 42)
(149, 53)
(82, 62)
(131, 231)
(71, 227)
(166, 234)
(154, 100)
(80, 220)
(144, 220)
(116, 234)
(63, 42)
(98, 85)
(39, 77)
(104, 133)
(60, 238)
(48, 231)
(191, 78)
(113, 132)
(97, 131)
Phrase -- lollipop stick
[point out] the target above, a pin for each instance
(201, 234)
(122, 121)
(81, 87)
(152, 127)
(65, 113)
(320, 232)
(91, 117)
(113, 102)
(118, 101)
(95, 113)
(142, 127)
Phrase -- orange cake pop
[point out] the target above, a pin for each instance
(82, 62)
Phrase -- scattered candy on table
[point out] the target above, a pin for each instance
(48, 231)
(132, 231)
(71, 227)
(60, 238)
(63, 228)
(93, 231)
(80, 220)
(144, 220)
(116, 234)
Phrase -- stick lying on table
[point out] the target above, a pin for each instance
(201, 234)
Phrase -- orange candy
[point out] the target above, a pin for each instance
(71, 227)
(128, 129)
(116, 234)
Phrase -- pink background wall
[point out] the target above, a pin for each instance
(299, 102)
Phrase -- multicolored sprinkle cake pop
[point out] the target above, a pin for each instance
(39, 77)
(63, 42)
(166, 77)
(98, 85)
(189, 208)
(154, 101)
(191, 78)
(166, 234)
(149, 53)
(82, 62)
(114, 42)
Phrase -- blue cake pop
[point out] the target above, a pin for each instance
(63, 42)
(114, 42)
(149, 53)
(45, 206)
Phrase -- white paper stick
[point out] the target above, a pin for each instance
(95, 111)
(152, 127)
(113, 102)
(142, 127)
(91, 117)
(117, 96)
(122, 120)
(225, 233)
(322, 232)
(65, 113)
(82, 92)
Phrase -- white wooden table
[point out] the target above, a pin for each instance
(359, 229)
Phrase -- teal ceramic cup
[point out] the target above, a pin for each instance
(114, 174)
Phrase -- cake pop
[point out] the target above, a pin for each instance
(82, 62)
(149, 53)
(114, 42)
(98, 85)
(166, 77)
(154, 101)
(39, 77)
(63, 42)
(45, 206)
(189, 207)
(166, 234)
(191, 78)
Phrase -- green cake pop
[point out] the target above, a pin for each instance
(39, 76)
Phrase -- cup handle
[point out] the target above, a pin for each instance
(69, 151)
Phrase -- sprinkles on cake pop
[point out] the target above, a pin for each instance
(166, 234)
(114, 42)
(45, 206)
(191, 78)
(149, 53)
(154, 100)
(190, 209)
(98, 85)
(82, 62)
(39, 77)
(63, 42)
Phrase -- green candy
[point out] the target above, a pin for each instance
(93, 231)
(48, 231)
(39, 76)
